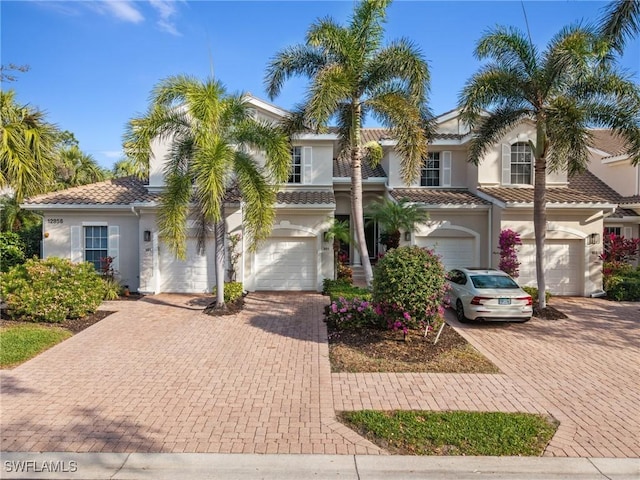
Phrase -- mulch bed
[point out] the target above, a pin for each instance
(231, 308)
(548, 313)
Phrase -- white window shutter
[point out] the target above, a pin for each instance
(113, 246)
(506, 164)
(76, 244)
(446, 169)
(626, 232)
(307, 165)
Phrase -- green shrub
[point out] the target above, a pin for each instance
(51, 290)
(350, 314)
(409, 287)
(12, 251)
(624, 288)
(112, 288)
(232, 291)
(343, 289)
(329, 284)
(533, 291)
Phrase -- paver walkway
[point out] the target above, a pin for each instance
(160, 376)
(585, 371)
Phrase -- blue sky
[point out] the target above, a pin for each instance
(93, 63)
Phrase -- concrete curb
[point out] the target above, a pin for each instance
(102, 466)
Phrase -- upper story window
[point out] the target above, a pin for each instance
(430, 172)
(617, 231)
(521, 161)
(295, 176)
(96, 240)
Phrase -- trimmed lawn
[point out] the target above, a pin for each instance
(454, 433)
(19, 343)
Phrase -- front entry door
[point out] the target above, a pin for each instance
(371, 236)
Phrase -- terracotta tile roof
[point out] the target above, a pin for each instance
(605, 140)
(554, 195)
(438, 196)
(378, 134)
(590, 184)
(117, 191)
(635, 199)
(311, 197)
(342, 168)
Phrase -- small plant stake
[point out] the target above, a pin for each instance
(439, 332)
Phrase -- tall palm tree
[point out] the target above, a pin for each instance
(562, 93)
(212, 136)
(127, 168)
(28, 148)
(74, 168)
(338, 232)
(395, 216)
(620, 22)
(351, 76)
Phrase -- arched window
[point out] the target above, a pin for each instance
(521, 161)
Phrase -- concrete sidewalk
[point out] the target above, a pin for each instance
(160, 466)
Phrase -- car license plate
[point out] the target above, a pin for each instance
(504, 301)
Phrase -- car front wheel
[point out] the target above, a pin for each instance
(460, 312)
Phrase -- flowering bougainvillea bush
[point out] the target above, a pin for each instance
(508, 241)
(51, 290)
(350, 314)
(409, 288)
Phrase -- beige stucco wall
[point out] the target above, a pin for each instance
(57, 238)
(621, 176)
(561, 224)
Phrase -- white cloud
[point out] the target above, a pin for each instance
(112, 153)
(166, 10)
(121, 9)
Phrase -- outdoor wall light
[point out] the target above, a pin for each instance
(407, 236)
(147, 235)
(593, 239)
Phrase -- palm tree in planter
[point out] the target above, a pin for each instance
(352, 75)
(212, 135)
(337, 232)
(563, 91)
(396, 216)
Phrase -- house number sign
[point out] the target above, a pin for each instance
(55, 220)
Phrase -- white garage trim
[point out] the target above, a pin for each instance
(287, 263)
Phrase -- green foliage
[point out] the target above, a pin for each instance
(112, 288)
(533, 291)
(232, 291)
(454, 433)
(51, 290)
(351, 314)
(410, 281)
(341, 288)
(395, 216)
(12, 251)
(31, 235)
(622, 282)
(22, 342)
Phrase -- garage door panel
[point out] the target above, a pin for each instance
(454, 252)
(286, 264)
(191, 275)
(563, 266)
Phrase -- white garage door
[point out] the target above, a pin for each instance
(454, 252)
(286, 264)
(563, 264)
(195, 274)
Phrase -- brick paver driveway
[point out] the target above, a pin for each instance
(585, 371)
(159, 376)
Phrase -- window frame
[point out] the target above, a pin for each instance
(425, 169)
(519, 149)
(617, 227)
(295, 175)
(103, 239)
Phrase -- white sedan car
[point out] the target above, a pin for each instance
(486, 294)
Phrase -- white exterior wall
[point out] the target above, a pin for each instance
(57, 239)
(623, 177)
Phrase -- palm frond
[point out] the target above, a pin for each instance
(366, 25)
(568, 135)
(620, 22)
(623, 120)
(332, 85)
(491, 128)
(510, 48)
(173, 213)
(292, 61)
(329, 37)
(400, 60)
(211, 167)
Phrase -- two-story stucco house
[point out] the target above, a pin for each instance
(468, 207)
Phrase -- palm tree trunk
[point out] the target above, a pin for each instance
(540, 224)
(219, 231)
(356, 195)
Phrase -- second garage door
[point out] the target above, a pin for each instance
(195, 274)
(454, 252)
(563, 265)
(286, 264)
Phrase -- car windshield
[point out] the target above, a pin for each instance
(493, 281)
